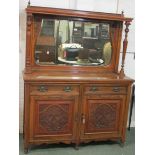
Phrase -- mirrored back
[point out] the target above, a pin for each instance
(72, 42)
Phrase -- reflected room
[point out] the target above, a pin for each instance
(72, 42)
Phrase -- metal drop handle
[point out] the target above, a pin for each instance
(67, 89)
(116, 89)
(42, 89)
(93, 88)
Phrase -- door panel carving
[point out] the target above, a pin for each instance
(102, 115)
(54, 118)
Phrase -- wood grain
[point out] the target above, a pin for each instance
(74, 104)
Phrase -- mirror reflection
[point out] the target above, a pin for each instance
(72, 42)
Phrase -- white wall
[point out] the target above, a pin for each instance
(92, 5)
(129, 10)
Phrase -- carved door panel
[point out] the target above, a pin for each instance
(53, 118)
(102, 116)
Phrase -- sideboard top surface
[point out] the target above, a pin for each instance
(76, 77)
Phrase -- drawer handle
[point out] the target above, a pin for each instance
(93, 88)
(67, 89)
(42, 89)
(116, 89)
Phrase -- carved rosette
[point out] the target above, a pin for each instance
(53, 118)
(102, 116)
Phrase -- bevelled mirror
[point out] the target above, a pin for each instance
(72, 42)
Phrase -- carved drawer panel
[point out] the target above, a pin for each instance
(54, 89)
(96, 89)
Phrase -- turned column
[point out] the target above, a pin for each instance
(28, 43)
(125, 43)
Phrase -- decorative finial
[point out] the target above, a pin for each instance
(122, 13)
(29, 3)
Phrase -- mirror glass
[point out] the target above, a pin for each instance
(70, 42)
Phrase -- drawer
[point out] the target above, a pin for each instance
(53, 89)
(93, 89)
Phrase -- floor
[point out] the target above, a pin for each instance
(94, 148)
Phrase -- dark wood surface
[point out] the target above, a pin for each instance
(77, 13)
(57, 76)
(74, 104)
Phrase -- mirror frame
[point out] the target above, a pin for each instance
(116, 20)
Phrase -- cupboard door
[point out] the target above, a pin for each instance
(53, 118)
(102, 116)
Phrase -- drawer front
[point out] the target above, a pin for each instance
(100, 89)
(54, 89)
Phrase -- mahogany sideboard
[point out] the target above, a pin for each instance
(73, 90)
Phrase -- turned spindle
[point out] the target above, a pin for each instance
(125, 43)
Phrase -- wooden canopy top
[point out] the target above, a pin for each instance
(77, 13)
